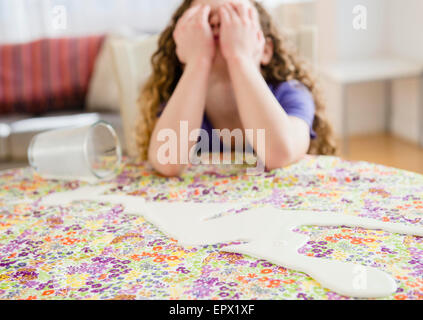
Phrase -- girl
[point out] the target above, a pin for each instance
(221, 64)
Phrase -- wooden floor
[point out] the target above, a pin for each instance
(387, 150)
(12, 165)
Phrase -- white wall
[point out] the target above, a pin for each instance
(339, 41)
(25, 20)
(405, 28)
(406, 40)
(367, 43)
(394, 28)
(335, 21)
(327, 30)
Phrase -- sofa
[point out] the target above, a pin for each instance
(51, 84)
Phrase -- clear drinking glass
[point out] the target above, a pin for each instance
(90, 153)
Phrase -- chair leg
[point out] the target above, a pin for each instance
(421, 110)
(388, 105)
(345, 120)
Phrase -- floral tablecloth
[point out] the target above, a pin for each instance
(92, 250)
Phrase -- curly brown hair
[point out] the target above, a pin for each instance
(285, 65)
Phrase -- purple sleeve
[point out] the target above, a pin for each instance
(206, 125)
(293, 97)
(296, 100)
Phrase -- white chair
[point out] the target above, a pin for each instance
(132, 66)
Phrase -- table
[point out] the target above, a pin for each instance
(386, 69)
(92, 250)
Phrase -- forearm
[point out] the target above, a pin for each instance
(259, 109)
(187, 103)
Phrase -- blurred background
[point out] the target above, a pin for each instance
(73, 62)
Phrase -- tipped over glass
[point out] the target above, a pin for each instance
(91, 153)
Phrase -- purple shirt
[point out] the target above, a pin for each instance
(294, 98)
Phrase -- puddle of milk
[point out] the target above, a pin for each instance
(267, 231)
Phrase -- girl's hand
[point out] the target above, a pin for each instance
(240, 33)
(194, 37)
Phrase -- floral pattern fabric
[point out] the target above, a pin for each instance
(93, 250)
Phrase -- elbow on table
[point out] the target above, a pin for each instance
(170, 170)
(279, 160)
(167, 170)
(276, 164)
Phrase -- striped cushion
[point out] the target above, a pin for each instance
(46, 75)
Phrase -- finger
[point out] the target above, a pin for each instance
(190, 13)
(185, 17)
(205, 14)
(231, 11)
(261, 39)
(250, 13)
(253, 15)
(225, 17)
(197, 14)
(242, 11)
